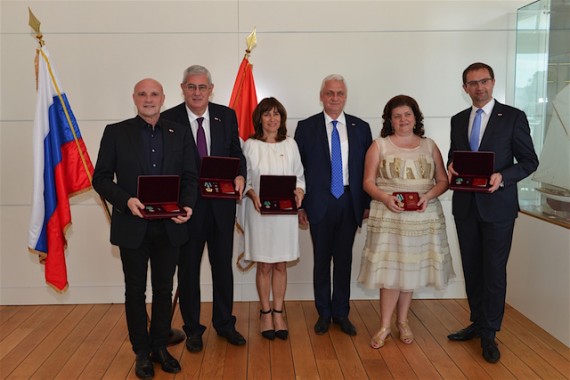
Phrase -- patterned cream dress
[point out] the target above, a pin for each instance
(406, 250)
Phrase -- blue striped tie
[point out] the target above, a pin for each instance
(475, 131)
(337, 183)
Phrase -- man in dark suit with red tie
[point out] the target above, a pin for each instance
(215, 133)
(485, 220)
(146, 145)
(333, 146)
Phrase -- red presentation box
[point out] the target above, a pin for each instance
(160, 195)
(276, 194)
(408, 200)
(217, 175)
(474, 168)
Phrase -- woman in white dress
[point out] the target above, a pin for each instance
(271, 240)
(404, 250)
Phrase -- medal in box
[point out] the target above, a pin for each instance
(408, 200)
(474, 168)
(159, 194)
(217, 175)
(276, 194)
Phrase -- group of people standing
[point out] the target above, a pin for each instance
(343, 177)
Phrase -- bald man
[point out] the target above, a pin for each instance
(147, 145)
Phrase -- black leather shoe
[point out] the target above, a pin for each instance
(143, 366)
(322, 325)
(233, 337)
(490, 350)
(167, 361)
(467, 333)
(194, 343)
(345, 325)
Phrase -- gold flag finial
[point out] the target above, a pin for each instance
(35, 25)
(251, 41)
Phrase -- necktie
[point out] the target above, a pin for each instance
(201, 139)
(475, 131)
(337, 184)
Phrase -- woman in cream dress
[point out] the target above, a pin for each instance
(404, 250)
(271, 240)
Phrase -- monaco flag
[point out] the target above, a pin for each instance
(62, 168)
(244, 99)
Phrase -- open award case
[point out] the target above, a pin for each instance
(276, 194)
(474, 168)
(408, 200)
(217, 175)
(160, 195)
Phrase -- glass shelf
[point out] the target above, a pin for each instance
(542, 90)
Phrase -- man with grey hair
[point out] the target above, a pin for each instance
(215, 133)
(333, 147)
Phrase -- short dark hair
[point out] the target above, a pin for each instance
(477, 66)
(268, 104)
(399, 101)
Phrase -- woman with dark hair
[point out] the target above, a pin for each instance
(404, 250)
(271, 240)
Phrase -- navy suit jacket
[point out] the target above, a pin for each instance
(508, 135)
(121, 154)
(224, 142)
(311, 137)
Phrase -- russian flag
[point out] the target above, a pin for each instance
(62, 168)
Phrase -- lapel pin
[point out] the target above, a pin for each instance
(215, 118)
(170, 130)
(499, 114)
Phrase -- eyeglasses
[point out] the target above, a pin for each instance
(202, 88)
(475, 83)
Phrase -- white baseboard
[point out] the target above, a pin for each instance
(82, 294)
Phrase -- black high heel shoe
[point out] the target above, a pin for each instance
(281, 334)
(267, 334)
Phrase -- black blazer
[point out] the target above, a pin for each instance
(224, 142)
(508, 135)
(311, 137)
(121, 155)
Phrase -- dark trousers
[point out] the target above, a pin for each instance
(333, 238)
(204, 229)
(157, 248)
(485, 248)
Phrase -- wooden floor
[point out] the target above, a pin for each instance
(91, 342)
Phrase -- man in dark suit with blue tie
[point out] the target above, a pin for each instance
(485, 220)
(146, 145)
(215, 133)
(333, 146)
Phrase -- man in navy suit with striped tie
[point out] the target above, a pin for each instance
(485, 220)
(333, 146)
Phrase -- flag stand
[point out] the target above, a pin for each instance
(175, 335)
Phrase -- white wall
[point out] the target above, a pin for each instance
(101, 48)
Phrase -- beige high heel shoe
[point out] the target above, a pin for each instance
(380, 337)
(406, 334)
